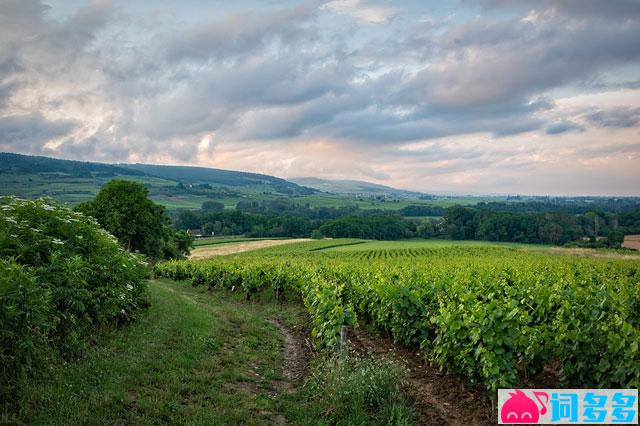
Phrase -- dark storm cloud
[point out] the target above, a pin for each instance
(563, 127)
(486, 63)
(620, 117)
(27, 133)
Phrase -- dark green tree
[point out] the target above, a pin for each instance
(212, 206)
(125, 210)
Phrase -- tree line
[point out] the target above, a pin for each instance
(124, 209)
(282, 218)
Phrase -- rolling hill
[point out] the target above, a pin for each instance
(356, 188)
(205, 175)
(173, 186)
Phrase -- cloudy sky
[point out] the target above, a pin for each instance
(493, 96)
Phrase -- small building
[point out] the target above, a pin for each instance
(196, 233)
(631, 242)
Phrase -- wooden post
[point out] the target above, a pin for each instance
(344, 336)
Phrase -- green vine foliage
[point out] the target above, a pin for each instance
(494, 315)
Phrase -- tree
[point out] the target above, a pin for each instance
(124, 209)
(316, 234)
(460, 223)
(212, 206)
(188, 219)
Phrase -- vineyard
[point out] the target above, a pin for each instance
(499, 316)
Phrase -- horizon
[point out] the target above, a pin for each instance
(532, 98)
(293, 178)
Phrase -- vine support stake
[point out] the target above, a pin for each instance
(344, 337)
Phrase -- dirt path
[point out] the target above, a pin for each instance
(296, 351)
(438, 398)
(230, 248)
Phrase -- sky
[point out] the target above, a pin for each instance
(487, 96)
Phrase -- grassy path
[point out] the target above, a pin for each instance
(193, 358)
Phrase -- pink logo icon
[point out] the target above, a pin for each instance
(519, 408)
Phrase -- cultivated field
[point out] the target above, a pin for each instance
(247, 335)
(204, 252)
(500, 315)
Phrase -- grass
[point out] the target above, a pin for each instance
(192, 356)
(355, 389)
(196, 358)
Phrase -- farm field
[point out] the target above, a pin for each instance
(418, 244)
(413, 247)
(250, 336)
(495, 314)
(222, 249)
(209, 241)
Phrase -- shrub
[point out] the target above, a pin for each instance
(25, 315)
(61, 276)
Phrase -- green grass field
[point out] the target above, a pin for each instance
(197, 358)
(193, 355)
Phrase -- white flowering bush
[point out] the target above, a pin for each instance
(61, 276)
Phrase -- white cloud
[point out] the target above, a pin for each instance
(363, 12)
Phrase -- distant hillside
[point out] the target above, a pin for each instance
(174, 186)
(25, 164)
(204, 175)
(356, 187)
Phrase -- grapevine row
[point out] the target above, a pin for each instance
(494, 315)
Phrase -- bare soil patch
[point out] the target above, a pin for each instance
(438, 398)
(297, 350)
(230, 248)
